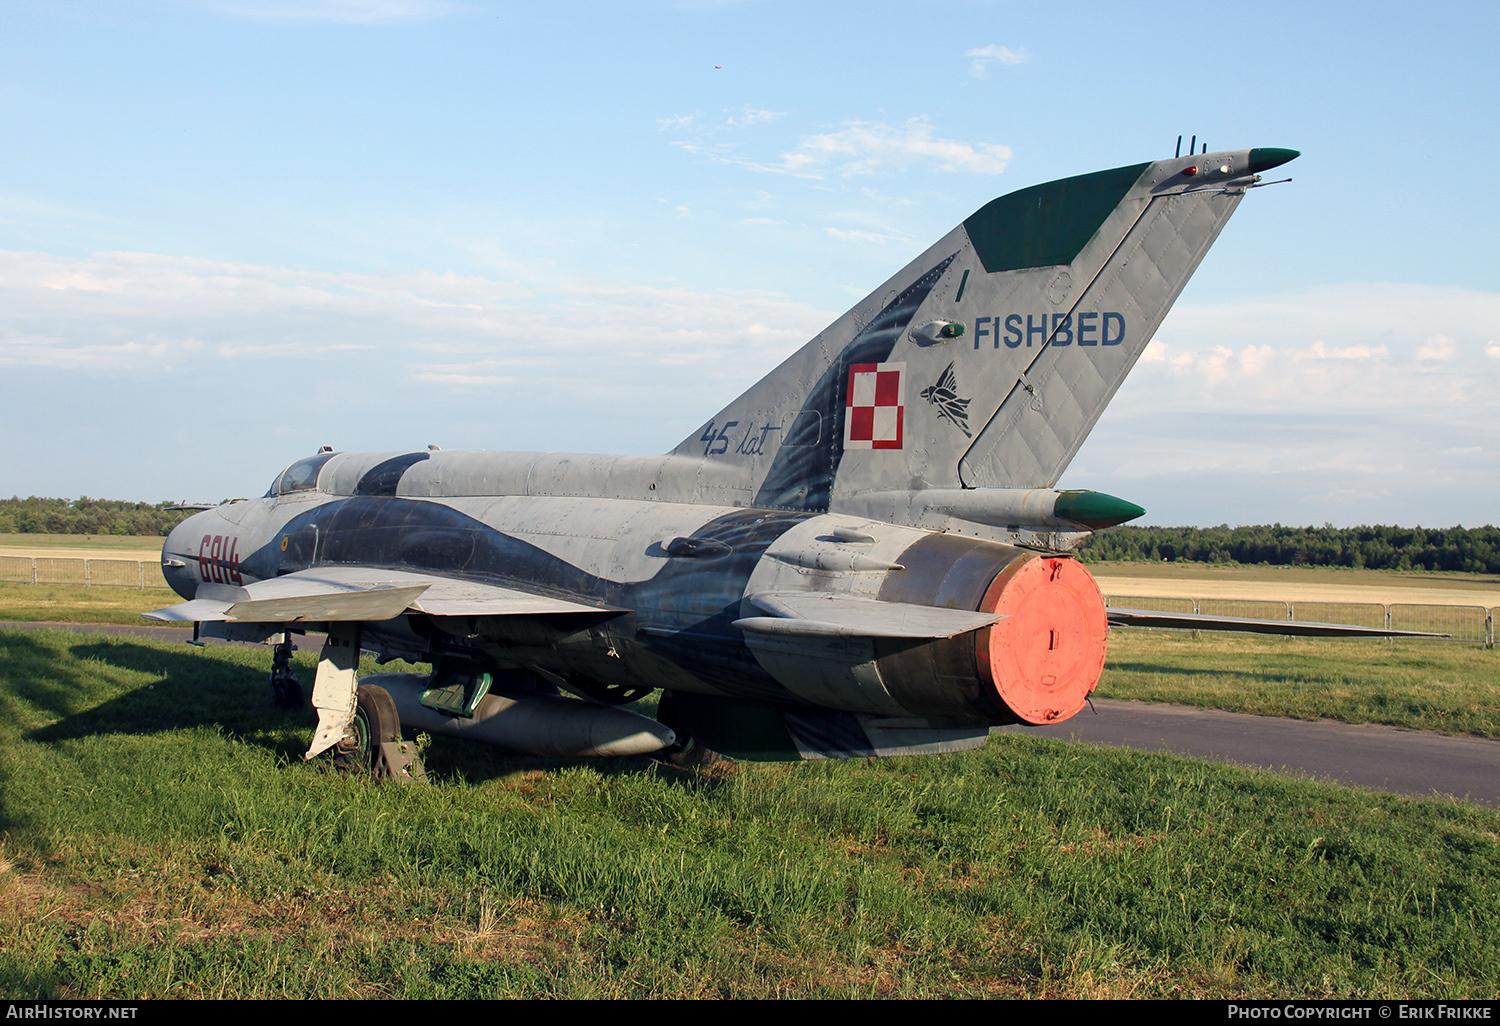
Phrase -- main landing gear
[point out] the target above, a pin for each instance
(372, 742)
(357, 722)
(686, 752)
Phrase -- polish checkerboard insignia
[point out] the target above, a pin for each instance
(875, 407)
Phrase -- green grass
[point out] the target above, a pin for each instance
(73, 603)
(1425, 685)
(149, 545)
(161, 837)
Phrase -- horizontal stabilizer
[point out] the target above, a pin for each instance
(823, 615)
(1245, 625)
(341, 593)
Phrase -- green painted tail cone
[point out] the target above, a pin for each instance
(1263, 158)
(1094, 509)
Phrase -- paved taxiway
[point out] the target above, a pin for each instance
(1413, 762)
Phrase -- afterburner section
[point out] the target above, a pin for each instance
(1036, 664)
(1047, 655)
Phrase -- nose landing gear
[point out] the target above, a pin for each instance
(286, 689)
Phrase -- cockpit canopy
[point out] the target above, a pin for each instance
(301, 476)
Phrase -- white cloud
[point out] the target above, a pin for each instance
(1321, 350)
(743, 118)
(155, 316)
(1254, 359)
(984, 56)
(860, 148)
(854, 235)
(56, 354)
(750, 116)
(1438, 347)
(1302, 407)
(259, 364)
(866, 147)
(1293, 378)
(1293, 407)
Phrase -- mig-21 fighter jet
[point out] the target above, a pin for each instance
(864, 554)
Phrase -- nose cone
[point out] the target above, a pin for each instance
(1263, 158)
(177, 554)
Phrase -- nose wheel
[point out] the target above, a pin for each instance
(286, 689)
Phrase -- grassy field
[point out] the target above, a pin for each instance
(1425, 685)
(72, 603)
(82, 546)
(160, 837)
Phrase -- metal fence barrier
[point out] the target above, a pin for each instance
(1471, 623)
(1155, 603)
(104, 573)
(1360, 614)
(1465, 623)
(1254, 609)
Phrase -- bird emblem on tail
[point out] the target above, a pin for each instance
(944, 395)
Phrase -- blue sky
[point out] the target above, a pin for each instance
(234, 230)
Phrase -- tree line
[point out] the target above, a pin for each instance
(35, 515)
(1474, 549)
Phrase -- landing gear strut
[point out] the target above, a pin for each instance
(286, 689)
(358, 722)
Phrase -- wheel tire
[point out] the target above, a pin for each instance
(693, 756)
(375, 721)
(685, 752)
(286, 692)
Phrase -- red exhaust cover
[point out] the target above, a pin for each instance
(1048, 654)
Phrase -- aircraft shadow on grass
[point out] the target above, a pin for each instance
(191, 691)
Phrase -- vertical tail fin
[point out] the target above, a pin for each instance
(986, 361)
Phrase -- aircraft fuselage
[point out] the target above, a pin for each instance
(673, 584)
